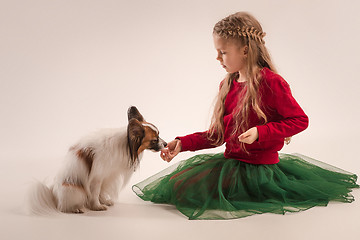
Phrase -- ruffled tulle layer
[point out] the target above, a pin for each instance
(209, 186)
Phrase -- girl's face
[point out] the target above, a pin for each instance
(231, 55)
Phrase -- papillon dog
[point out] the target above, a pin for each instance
(96, 167)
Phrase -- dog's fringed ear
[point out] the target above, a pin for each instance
(133, 112)
(136, 133)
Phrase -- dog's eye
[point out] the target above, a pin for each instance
(154, 141)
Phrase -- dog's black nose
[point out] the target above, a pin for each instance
(165, 144)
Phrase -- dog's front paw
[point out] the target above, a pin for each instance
(78, 210)
(98, 208)
(107, 202)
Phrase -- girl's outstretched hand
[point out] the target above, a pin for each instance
(249, 136)
(173, 148)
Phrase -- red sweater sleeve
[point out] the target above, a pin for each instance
(196, 141)
(292, 119)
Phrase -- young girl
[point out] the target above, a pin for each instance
(254, 114)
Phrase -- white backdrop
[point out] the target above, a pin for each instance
(68, 68)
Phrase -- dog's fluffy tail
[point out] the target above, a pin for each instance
(41, 200)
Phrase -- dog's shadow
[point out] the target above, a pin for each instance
(143, 211)
(119, 210)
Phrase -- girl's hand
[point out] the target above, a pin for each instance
(173, 148)
(249, 136)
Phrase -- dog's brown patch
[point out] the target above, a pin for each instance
(135, 132)
(87, 155)
(76, 185)
(150, 135)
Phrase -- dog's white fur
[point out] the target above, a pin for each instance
(96, 167)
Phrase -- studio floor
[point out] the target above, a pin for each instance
(131, 218)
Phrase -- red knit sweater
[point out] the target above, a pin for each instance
(285, 118)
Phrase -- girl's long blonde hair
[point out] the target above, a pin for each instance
(247, 31)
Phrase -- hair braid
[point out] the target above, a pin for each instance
(237, 32)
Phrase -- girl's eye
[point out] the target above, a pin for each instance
(222, 53)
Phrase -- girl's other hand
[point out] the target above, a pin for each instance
(249, 136)
(173, 148)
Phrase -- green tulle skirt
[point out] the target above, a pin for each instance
(209, 186)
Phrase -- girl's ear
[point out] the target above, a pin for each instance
(246, 50)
